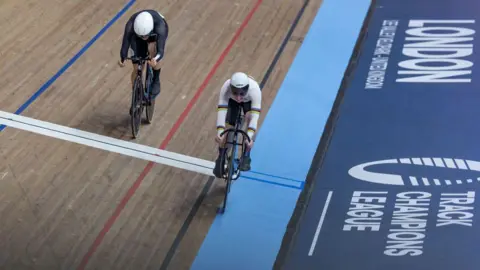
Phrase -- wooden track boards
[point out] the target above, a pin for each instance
(55, 196)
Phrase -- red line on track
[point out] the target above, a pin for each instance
(108, 225)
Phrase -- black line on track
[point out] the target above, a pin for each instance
(183, 230)
(284, 43)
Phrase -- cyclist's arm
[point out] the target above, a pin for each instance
(256, 95)
(127, 36)
(222, 108)
(161, 31)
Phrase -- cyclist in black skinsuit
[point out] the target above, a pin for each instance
(143, 31)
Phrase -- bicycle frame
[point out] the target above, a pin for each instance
(140, 93)
(232, 165)
(141, 62)
(236, 131)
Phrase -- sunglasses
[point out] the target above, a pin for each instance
(239, 91)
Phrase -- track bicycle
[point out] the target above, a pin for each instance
(231, 161)
(141, 95)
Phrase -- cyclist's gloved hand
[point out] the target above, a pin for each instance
(152, 62)
(249, 144)
(121, 63)
(220, 139)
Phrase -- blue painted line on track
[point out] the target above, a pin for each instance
(248, 235)
(47, 84)
(276, 176)
(272, 182)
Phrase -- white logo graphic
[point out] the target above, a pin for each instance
(359, 171)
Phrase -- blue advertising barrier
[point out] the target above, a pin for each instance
(397, 185)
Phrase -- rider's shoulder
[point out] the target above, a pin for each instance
(251, 78)
(225, 85)
(253, 83)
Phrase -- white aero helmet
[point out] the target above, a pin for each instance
(143, 24)
(239, 83)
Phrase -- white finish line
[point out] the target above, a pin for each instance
(107, 143)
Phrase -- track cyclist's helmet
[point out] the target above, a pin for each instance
(143, 24)
(239, 83)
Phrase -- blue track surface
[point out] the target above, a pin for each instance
(397, 187)
(249, 234)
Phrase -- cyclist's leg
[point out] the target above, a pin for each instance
(155, 87)
(133, 51)
(138, 48)
(229, 122)
(246, 160)
(153, 49)
(231, 118)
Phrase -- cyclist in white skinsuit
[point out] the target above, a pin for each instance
(240, 90)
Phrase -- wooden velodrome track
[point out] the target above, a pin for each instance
(70, 206)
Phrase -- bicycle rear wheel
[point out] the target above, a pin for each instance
(137, 106)
(149, 111)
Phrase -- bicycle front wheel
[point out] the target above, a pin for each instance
(231, 170)
(137, 106)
